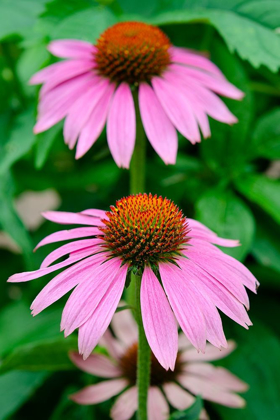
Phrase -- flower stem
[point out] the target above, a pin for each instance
(143, 358)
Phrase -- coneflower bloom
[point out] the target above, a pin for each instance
(184, 275)
(192, 375)
(177, 88)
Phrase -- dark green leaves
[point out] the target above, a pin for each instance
(266, 136)
(191, 413)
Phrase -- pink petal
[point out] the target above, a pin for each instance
(113, 346)
(200, 231)
(87, 296)
(80, 111)
(95, 213)
(95, 394)
(177, 108)
(194, 59)
(218, 375)
(209, 391)
(71, 48)
(159, 129)
(158, 320)
(125, 405)
(183, 342)
(92, 330)
(157, 405)
(218, 85)
(121, 126)
(125, 327)
(183, 300)
(65, 235)
(96, 364)
(64, 282)
(211, 353)
(96, 122)
(67, 218)
(67, 249)
(177, 396)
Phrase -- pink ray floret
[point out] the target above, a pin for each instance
(193, 375)
(185, 277)
(176, 88)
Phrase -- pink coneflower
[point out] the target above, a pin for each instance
(191, 372)
(184, 275)
(174, 85)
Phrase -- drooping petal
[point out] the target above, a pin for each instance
(92, 330)
(157, 405)
(159, 129)
(96, 364)
(211, 353)
(95, 213)
(95, 394)
(64, 282)
(113, 346)
(96, 122)
(200, 231)
(66, 70)
(183, 301)
(177, 396)
(183, 342)
(67, 218)
(121, 126)
(80, 111)
(125, 405)
(125, 327)
(71, 48)
(65, 235)
(88, 295)
(177, 109)
(210, 391)
(158, 320)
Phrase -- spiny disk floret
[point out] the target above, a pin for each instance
(143, 229)
(132, 52)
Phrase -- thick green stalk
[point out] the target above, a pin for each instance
(143, 358)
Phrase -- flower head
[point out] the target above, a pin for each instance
(183, 274)
(176, 88)
(192, 375)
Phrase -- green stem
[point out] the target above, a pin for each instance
(143, 358)
(16, 82)
(138, 164)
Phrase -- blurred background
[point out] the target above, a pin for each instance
(230, 182)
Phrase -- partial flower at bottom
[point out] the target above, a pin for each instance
(176, 89)
(192, 375)
(183, 275)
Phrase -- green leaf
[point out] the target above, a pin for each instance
(51, 355)
(44, 143)
(16, 388)
(18, 327)
(20, 142)
(263, 191)
(10, 221)
(250, 39)
(191, 413)
(86, 24)
(266, 245)
(222, 150)
(229, 217)
(256, 361)
(17, 17)
(266, 136)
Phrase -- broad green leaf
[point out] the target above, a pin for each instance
(16, 388)
(229, 217)
(20, 141)
(191, 413)
(263, 191)
(67, 409)
(266, 136)
(18, 327)
(222, 151)
(266, 245)
(10, 221)
(17, 17)
(51, 355)
(256, 361)
(86, 24)
(250, 39)
(44, 143)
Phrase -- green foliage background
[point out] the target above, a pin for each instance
(230, 182)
